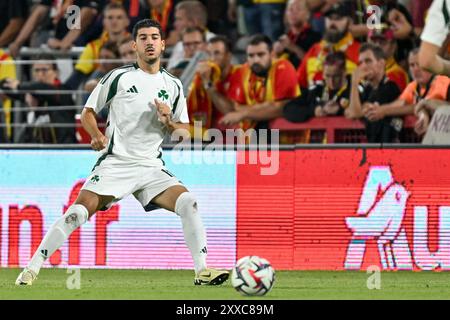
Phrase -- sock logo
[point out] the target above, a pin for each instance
(44, 252)
(204, 250)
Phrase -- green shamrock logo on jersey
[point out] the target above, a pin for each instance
(162, 94)
(95, 179)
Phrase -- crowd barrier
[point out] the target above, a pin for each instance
(341, 130)
(319, 208)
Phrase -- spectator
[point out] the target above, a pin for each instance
(218, 22)
(38, 14)
(376, 90)
(265, 16)
(322, 100)
(421, 96)
(50, 16)
(108, 51)
(116, 22)
(211, 83)
(433, 37)
(337, 38)
(260, 88)
(126, 51)
(64, 38)
(388, 11)
(392, 13)
(45, 77)
(318, 9)
(163, 12)
(7, 70)
(190, 13)
(383, 36)
(13, 14)
(300, 37)
(194, 40)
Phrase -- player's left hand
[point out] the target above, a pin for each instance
(164, 112)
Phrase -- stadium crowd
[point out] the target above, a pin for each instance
(243, 64)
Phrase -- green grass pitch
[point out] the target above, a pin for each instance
(178, 285)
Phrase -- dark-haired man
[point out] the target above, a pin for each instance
(337, 37)
(261, 87)
(211, 83)
(145, 103)
(375, 90)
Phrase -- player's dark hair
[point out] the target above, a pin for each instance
(376, 50)
(226, 42)
(337, 58)
(146, 23)
(260, 38)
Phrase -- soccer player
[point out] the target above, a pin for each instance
(145, 102)
(433, 37)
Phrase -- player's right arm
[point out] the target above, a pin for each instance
(98, 99)
(89, 122)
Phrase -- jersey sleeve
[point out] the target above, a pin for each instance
(236, 90)
(98, 98)
(180, 107)
(286, 86)
(437, 23)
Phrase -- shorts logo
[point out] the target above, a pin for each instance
(95, 179)
(162, 94)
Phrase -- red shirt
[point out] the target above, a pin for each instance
(281, 83)
(311, 68)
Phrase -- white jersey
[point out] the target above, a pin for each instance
(134, 130)
(437, 23)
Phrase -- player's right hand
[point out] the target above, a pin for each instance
(99, 142)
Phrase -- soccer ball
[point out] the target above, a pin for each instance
(252, 276)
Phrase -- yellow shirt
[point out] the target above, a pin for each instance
(7, 71)
(91, 52)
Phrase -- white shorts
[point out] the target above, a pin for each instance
(121, 180)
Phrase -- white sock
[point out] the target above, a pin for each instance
(194, 232)
(59, 232)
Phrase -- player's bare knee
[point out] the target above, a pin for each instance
(186, 204)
